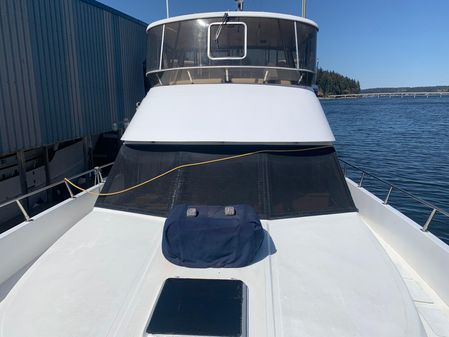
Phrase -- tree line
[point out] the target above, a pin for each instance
(332, 83)
(439, 88)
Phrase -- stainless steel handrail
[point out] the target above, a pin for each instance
(155, 71)
(98, 179)
(392, 187)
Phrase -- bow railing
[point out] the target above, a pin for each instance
(97, 175)
(434, 210)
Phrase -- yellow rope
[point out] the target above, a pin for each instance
(207, 162)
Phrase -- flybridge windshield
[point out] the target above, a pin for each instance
(276, 185)
(232, 49)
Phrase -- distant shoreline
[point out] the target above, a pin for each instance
(411, 90)
(385, 95)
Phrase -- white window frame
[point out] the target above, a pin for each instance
(245, 37)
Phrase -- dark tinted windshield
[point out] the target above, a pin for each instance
(269, 44)
(277, 185)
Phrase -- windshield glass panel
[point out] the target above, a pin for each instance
(271, 42)
(185, 44)
(307, 42)
(154, 47)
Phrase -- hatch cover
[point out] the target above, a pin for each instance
(200, 307)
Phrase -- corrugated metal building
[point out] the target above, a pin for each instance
(71, 73)
(68, 69)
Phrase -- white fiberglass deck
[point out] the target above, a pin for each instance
(327, 275)
(420, 257)
(434, 313)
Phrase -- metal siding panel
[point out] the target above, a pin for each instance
(5, 102)
(88, 67)
(44, 64)
(45, 50)
(132, 64)
(22, 77)
(118, 70)
(55, 97)
(94, 78)
(3, 135)
(70, 63)
(13, 53)
(115, 12)
(107, 66)
(110, 67)
(93, 74)
(79, 38)
(107, 122)
(84, 69)
(103, 121)
(31, 81)
(140, 56)
(100, 105)
(123, 79)
(52, 100)
(76, 81)
(93, 94)
(93, 69)
(69, 68)
(74, 66)
(41, 76)
(63, 113)
(55, 63)
(14, 108)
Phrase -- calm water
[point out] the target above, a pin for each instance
(402, 140)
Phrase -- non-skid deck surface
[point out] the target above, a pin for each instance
(317, 276)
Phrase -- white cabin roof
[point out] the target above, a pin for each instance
(233, 14)
(229, 113)
(328, 275)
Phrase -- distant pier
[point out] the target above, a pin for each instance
(392, 94)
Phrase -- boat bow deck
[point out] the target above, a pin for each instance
(326, 274)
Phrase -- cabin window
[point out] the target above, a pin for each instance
(227, 41)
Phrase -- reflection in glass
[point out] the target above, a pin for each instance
(273, 53)
(227, 41)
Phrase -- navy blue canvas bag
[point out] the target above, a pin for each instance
(210, 238)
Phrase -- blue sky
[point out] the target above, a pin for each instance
(381, 43)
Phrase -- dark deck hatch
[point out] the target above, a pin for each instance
(200, 307)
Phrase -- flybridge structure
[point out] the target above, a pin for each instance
(274, 50)
(226, 212)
